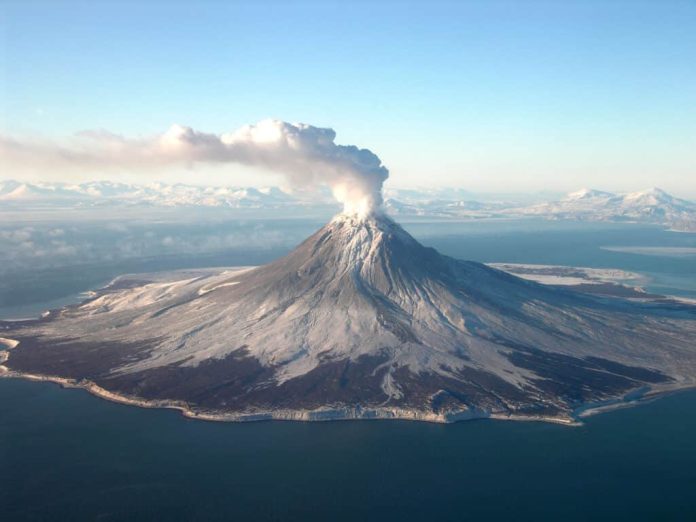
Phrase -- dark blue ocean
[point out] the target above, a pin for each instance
(65, 455)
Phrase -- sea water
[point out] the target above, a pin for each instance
(66, 455)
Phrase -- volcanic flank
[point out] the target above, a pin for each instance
(360, 321)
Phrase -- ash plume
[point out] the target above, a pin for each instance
(305, 155)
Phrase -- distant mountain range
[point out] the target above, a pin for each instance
(649, 206)
(99, 193)
(653, 206)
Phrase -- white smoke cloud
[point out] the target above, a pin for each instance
(306, 155)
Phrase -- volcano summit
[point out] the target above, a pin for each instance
(359, 321)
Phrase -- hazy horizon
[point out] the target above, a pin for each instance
(390, 185)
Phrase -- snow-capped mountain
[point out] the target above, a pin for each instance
(159, 194)
(652, 206)
(360, 320)
(14, 191)
(649, 206)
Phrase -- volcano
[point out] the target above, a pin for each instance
(359, 321)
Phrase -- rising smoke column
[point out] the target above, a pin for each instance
(309, 156)
(306, 155)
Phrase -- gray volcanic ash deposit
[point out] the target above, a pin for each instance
(361, 321)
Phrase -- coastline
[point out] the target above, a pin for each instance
(317, 415)
(634, 397)
(630, 399)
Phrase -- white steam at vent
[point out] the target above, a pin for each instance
(307, 156)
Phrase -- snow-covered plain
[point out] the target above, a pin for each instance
(654, 251)
(570, 275)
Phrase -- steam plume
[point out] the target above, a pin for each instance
(306, 155)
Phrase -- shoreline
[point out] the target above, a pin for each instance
(316, 415)
(632, 398)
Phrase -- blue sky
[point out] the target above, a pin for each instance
(484, 95)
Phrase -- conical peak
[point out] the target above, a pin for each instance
(372, 252)
(371, 228)
(374, 219)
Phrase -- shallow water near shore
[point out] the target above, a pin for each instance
(67, 455)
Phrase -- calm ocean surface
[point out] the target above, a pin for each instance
(65, 455)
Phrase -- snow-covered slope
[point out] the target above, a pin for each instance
(361, 318)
